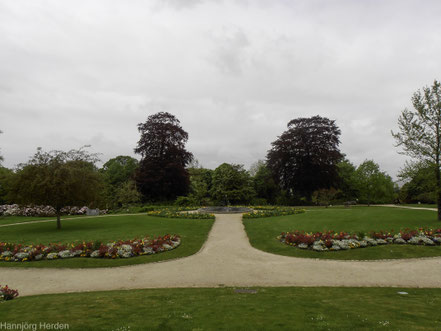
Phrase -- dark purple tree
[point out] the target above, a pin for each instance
(305, 157)
(161, 174)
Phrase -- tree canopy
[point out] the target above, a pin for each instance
(162, 174)
(419, 133)
(231, 183)
(58, 179)
(305, 157)
(375, 186)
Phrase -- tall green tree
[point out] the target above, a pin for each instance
(231, 183)
(375, 186)
(58, 179)
(118, 174)
(419, 133)
(200, 185)
(263, 182)
(420, 183)
(305, 157)
(5, 180)
(348, 181)
(162, 173)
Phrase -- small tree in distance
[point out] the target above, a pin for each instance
(58, 179)
(420, 131)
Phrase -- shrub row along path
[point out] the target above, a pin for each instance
(228, 259)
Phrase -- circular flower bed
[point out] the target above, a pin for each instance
(335, 241)
(269, 211)
(118, 249)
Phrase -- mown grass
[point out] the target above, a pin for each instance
(421, 205)
(225, 309)
(105, 229)
(263, 232)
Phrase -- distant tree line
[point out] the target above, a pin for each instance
(303, 166)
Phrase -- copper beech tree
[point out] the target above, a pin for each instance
(305, 157)
(162, 173)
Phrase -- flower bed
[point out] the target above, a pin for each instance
(269, 211)
(44, 211)
(118, 249)
(335, 241)
(7, 293)
(177, 213)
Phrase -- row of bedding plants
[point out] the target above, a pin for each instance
(269, 211)
(178, 213)
(336, 241)
(41, 211)
(11, 252)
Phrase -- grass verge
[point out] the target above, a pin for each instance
(193, 234)
(224, 309)
(263, 232)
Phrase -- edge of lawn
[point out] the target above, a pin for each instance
(367, 254)
(88, 263)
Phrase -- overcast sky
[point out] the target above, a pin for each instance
(233, 72)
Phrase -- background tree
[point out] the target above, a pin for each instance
(420, 183)
(305, 157)
(162, 174)
(348, 182)
(1, 156)
(118, 174)
(200, 185)
(231, 183)
(375, 186)
(58, 179)
(5, 180)
(324, 196)
(264, 185)
(420, 131)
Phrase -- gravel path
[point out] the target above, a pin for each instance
(227, 259)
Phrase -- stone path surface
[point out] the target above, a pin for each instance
(228, 259)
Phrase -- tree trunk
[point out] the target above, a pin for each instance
(58, 220)
(438, 191)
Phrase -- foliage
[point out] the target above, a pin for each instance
(348, 182)
(11, 252)
(323, 197)
(117, 173)
(127, 193)
(336, 241)
(5, 180)
(270, 211)
(375, 186)
(200, 185)
(1, 156)
(305, 157)
(231, 183)
(7, 293)
(419, 132)
(420, 185)
(264, 184)
(58, 179)
(162, 174)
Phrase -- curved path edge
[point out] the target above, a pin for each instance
(228, 259)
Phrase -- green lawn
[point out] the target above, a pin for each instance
(263, 232)
(25, 219)
(422, 205)
(193, 234)
(224, 309)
